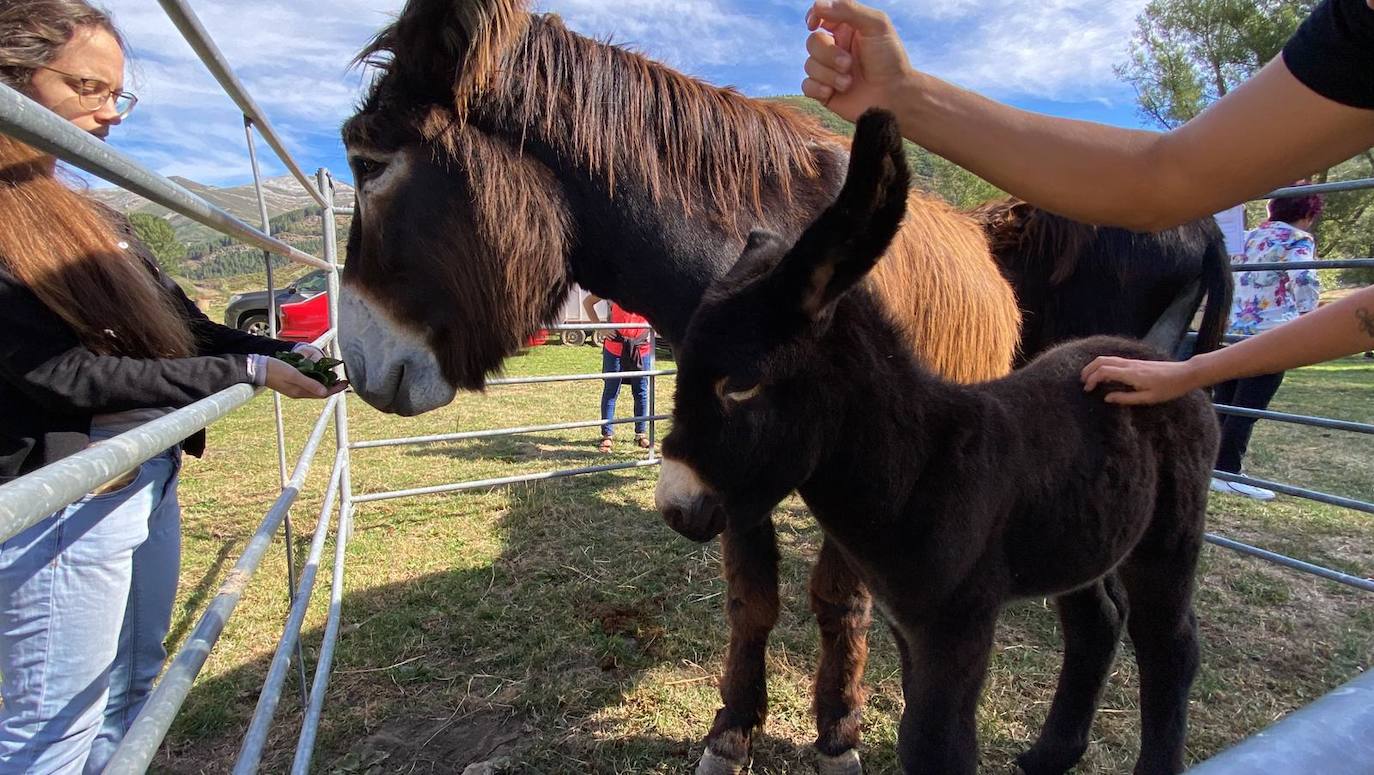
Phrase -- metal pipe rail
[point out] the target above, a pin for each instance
(305, 746)
(502, 481)
(498, 432)
(578, 377)
(33, 497)
(1330, 736)
(140, 745)
(1297, 492)
(597, 326)
(29, 122)
(1334, 263)
(1289, 562)
(1295, 419)
(185, 20)
(250, 754)
(1319, 188)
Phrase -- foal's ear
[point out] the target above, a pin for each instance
(454, 45)
(847, 240)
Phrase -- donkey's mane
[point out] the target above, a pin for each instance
(616, 112)
(1015, 227)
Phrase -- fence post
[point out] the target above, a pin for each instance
(331, 254)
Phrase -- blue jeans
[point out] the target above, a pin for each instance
(85, 602)
(639, 388)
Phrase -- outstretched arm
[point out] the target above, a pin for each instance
(589, 306)
(1264, 134)
(1343, 328)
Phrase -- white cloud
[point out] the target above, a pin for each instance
(681, 33)
(1052, 49)
(293, 57)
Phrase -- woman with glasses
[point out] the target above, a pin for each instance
(94, 341)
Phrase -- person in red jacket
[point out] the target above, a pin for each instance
(625, 350)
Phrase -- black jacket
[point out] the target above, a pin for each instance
(51, 385)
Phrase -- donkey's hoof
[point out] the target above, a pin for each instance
(846, 763)
(711, 764)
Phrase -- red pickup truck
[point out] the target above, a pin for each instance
(306, 321)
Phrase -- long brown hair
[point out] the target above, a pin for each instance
(63, 249)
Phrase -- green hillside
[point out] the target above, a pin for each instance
(225, 257)
(945, 179)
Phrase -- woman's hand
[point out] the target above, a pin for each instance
(287, 380)
(1151, 382)
(309, 351)
(856, 58)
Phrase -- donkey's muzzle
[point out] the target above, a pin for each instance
(687, 504)
(700, 521)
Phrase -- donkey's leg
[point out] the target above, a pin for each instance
(1159, 583)
(751, 578)
(943, 669)
(1092, 619)
(844, 612)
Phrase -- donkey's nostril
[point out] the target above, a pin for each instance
(701, 521)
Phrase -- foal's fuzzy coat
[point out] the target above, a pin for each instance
(948, 500)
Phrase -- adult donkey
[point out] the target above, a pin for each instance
(1073, 280)
(500, 157)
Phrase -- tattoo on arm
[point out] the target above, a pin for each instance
(1366, 321)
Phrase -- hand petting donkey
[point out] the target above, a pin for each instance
(947, 500)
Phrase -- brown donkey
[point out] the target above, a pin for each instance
(947, 500)
(501, 157)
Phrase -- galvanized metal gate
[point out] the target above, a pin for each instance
(1331, 735)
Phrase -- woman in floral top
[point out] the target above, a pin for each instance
(1265, 300)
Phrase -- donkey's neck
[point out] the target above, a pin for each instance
(898, 416)
(664, 174)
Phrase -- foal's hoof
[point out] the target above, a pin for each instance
(712, 764)
(846, 763)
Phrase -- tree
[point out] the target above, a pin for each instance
(161, 239)
(1186, 54)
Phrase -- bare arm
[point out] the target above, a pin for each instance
(589, 306)
(1264, 134)
(1334, 331)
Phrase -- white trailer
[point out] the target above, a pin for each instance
(574, 313)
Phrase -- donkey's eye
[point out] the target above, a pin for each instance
(731, 391)
(367, 167)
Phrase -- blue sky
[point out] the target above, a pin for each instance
(1051, 56)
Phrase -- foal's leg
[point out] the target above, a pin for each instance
(943, 668)
(1092, 619)
(751, 577)
(1159, 583)
(844, 612)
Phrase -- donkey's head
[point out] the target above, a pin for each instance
(758, 391)
(458, 246)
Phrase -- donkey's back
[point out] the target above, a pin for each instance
(1090, 480)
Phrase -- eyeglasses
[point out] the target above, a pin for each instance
(93, 93)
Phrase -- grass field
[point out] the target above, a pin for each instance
(564, 627)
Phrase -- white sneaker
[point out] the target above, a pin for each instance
(1245, 490)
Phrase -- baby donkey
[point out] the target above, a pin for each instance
(947, 500)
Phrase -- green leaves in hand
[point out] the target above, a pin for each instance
(322, 371)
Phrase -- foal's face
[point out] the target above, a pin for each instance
(759, 391)
(743, 431)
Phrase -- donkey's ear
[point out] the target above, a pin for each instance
(847, 240)
(454, 45)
